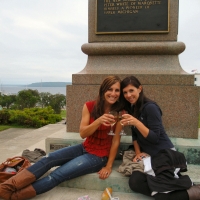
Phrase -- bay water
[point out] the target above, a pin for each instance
(14, 89)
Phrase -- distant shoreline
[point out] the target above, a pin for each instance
(42, 84)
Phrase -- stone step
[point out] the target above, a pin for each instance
(65, 193)
(116, 180)
(189, 147)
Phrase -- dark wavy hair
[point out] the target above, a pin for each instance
(132, 80)
(99, 105)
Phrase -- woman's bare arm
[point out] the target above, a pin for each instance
(87, 129)
(106, 171)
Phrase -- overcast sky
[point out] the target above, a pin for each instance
(40, 40)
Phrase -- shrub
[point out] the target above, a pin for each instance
(4, 116)
(18, 117)
(34, 117)
(53, 118)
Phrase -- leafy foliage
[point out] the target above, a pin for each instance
(31, 109)
(27, 98)
(7, 100)
(4, 116)
(45, 99)
(33, 117)
(32, 98)
(57, 102)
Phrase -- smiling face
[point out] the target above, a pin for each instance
(112, 94)
(131, 93)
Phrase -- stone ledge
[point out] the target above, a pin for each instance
(134, 48)
(147, 79)
(190, 147)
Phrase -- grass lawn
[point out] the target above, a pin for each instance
(4, 127)
(63, 114)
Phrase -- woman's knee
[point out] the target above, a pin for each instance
(138, 183)
(136, 179)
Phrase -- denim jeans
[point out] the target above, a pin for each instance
(73, 162)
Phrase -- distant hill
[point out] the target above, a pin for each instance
(49, 84)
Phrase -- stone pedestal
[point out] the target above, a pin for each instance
(153, 59)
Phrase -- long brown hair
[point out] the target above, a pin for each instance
(99, 106)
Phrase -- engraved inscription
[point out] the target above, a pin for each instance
(112, 7)
(54, 147)
(132, 16)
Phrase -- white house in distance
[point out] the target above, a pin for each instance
(197, 79)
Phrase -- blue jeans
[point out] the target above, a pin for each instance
(73, 162)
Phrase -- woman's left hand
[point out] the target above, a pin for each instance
(139, 157)
(104, 172)
(128, 120)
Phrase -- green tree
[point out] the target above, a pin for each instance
(57, 102)
(27, 98)
(45, 99)
(7, 100)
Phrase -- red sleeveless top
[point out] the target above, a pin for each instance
(99, 142)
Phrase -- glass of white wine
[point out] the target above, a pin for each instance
(115, 114)
(120, 118)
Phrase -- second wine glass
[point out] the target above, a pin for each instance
(121, 113)
(115, 114)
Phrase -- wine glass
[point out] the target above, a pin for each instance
(115, 114)
(120, 118)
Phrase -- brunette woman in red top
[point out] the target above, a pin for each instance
(96, 154)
